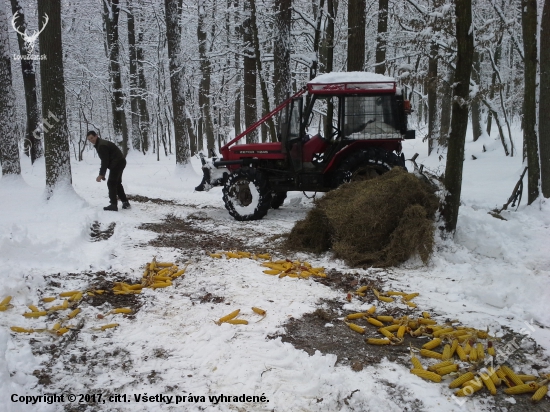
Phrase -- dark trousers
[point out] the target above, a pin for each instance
(114, 184)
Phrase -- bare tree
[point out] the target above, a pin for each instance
(249, 63)
(281, 49)
(530, 142)
(204, 85)
(9, 150)
(356, 35)
(33, 145)
(111, 14)
(380, 67)
(459, 122)
(173, 35)
(544, 103)
(52, 79)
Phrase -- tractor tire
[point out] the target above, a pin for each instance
(277, 199)
(246, 194)
(366, 164)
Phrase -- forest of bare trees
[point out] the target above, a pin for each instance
(181, 77)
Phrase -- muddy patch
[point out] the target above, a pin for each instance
(99, 233)
(182, 233)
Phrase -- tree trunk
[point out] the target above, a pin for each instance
(134, 99)
(459, 121)
(56, 132)
(529, 26)
(380, 67)
(544, 103)
(173, 35)
(433, 108)
(249, 63)
(33, 145)
(281, 50)
(9, 150)
(332, 6)
(356, 35)
(496, 62)
(446, 92)
(204, 85)
(111, 13)
(144, 122)
(476, 107)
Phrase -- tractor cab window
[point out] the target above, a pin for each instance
(323, 120)
(371, 117)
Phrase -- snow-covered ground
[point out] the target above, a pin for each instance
(493, 273)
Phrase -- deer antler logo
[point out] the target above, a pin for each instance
(29, 40)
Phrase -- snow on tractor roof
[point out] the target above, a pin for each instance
(351, 82)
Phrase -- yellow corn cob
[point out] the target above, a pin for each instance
(386, 333)
(153, 265)
(109, 326)
(388, 319)
(158, 285)
(243, 254)
(48, 299)
(121, 310)
(21, 330)
(356, 328)
(385, 299)
(57, 326)
(432, 344)
(6, 301)
(489, 383)
(178, 273)
(480, 352)
(74, 313)
(392, 328)
(412, 324)
(467, 348)
(446, 352)
(447, 369)
(510, 373)
(416, 363)
(491, 349)
(434, 377)
(164, 264)
(264, 256)
(67, 294)
(418, 331)
(65, 304)
(230, 255)
(461, 379)
(371, 310)
(464, 338)
(473, 354)
(374, 341)
(440, 365)
(163, 272)
(99, 291)
(35, 314)
(410, 296)
(357, 293)
(358, 315)
(426, 321)
(395, 293)
(62, 331)
(375, 322)
(523, 388)
(56, 308)
(259, 311)
(494, 376)
(401, 331)
(469, 388)
(293, 275)
(230, 316)
(430, 354)
(540, 393)
(33, 308)
(442, 331)
(237, 322)
(482, 334)
(3, 308)
(159, 279)
(503, 378)
(272, 271)
(282, 275)
(527, 378)
(135, 287)
(215, 255)
(362, 289)
(425, 315)
(454, 346)
(410, 304)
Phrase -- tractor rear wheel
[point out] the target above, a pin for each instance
(246, 194)
(366, 164)
(277, 199)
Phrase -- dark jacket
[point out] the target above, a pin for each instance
(110, 155)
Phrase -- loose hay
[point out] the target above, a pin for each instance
(379, 222)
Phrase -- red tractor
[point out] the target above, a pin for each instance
(350, 128)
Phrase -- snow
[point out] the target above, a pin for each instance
(498, 270)
(351, 77)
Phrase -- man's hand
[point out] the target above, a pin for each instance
(99, 178)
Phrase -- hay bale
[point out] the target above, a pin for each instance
(378, 222)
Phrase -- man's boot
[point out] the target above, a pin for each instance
(126, 205)
(111, 207)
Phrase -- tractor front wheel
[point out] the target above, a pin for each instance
(246, 194)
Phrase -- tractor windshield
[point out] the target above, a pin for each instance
(323, 120)
(371, 117)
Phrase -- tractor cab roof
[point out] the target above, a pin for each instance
(338, 83)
